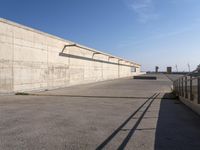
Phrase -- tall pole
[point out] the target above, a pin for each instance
(189, 67)
(176, 68)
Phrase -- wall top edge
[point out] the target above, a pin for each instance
(3, 20)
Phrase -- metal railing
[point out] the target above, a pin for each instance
(188, 86)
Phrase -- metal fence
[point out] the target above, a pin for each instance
(188, 86)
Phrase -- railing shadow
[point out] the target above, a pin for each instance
(177, 127)
(132, 130)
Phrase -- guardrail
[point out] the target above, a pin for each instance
(188, 87)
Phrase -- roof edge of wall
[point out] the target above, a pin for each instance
(3, 20)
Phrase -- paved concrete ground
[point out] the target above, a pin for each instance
(174, 77)
(118, 114)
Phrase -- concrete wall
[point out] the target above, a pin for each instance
(33, 60)
(192, 104)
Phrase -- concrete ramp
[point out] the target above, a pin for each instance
(118, 114)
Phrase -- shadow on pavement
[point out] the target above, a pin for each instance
(177, 127)
(149, 101)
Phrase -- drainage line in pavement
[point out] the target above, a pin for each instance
(87, 96)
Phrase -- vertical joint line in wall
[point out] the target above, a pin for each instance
(47, 67)
(102, 71)
(12, 60)
(119, 67)
(69, 67)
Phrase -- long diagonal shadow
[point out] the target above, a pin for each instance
(126, 140)
(107, 140)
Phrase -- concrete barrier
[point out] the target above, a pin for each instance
(34, 60)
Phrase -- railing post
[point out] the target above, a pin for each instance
(175, 87)
(179, 90)
(191, 95)
(198, 89)
(186, 92)
(182, 87)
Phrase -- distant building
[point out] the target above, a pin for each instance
(156, 69)
(169, 70)
(198, 67)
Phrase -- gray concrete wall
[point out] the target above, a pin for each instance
(192, 104)
(32, 60)
(188, 97)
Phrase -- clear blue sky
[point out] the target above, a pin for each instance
(151, 32)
